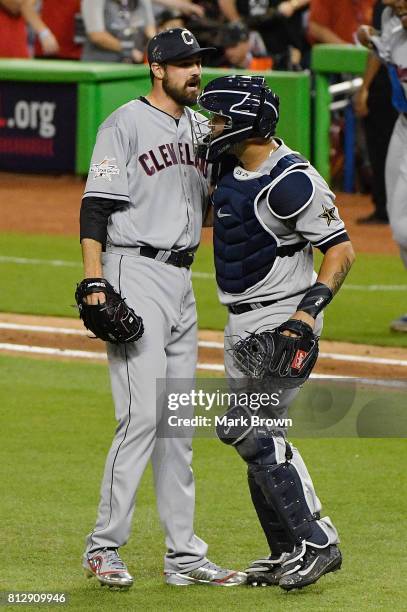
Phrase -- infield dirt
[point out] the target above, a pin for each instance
(50, 205)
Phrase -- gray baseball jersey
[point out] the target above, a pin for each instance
(391, 46)
(318, 223)
(144, 158)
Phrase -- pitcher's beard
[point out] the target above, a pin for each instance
(180, 95)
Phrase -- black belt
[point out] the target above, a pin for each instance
(180, 259)
(241, 308)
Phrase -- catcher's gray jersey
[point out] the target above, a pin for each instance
(265, 223)
(144, 158)
(318, 223)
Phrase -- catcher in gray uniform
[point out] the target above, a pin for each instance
(141, 220)
(269, 212)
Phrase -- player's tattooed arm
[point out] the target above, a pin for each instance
(340, 276)
(335, 266)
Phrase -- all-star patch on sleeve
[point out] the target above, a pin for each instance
(107, 176)
(320, 222)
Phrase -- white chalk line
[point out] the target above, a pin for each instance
(195, 274)
(203, 344)
(43, 350)
(364, 359)
(40, 262)
(46, 350)
(334, 356)
(44, 329)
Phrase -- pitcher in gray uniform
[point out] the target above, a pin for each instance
(144, 200)
(391, 46)
(269, 213)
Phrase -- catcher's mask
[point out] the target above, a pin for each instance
(249, 106)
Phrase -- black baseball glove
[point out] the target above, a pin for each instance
(285, 360)
(112, 321)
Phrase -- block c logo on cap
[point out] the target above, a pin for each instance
(187, 37)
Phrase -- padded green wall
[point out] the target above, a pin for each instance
(104, 87)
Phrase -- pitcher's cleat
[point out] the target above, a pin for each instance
(208, 573)
(399, 325)
(106, 565)
(315, 563)
(266, 572)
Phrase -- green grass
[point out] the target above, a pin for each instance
(57, 424)
(355, 315)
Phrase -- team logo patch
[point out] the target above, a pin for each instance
(298, 360)
(105, 169)
(328, 214)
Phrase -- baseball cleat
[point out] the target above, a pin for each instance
(208, 573)
(399, 325)
(265, 572)
(106, 565)
(311, 567)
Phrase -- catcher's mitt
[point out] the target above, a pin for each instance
(285, 360)
(112, 321)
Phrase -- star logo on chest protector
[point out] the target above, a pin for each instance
(328, 214)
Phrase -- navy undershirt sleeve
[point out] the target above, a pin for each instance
(94, 216)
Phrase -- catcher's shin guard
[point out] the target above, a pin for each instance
(279, 487)
(277, 537)
(234, 428)
(258, 448)
(282, 488)
(280, 483)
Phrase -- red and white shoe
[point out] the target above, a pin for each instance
(106, 565)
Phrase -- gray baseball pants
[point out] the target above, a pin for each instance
(260, 320)
(162, 294)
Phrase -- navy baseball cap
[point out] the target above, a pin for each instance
(175, 44)
(233, 33)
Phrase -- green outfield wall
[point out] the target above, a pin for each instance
(325, 61)
(81, 95)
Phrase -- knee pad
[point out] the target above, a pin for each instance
(254, 444)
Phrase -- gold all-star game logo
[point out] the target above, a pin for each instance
(105, 169)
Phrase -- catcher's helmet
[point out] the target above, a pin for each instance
(249, 105)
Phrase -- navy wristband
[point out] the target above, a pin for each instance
(315, 300)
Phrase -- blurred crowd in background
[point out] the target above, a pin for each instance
(252, 34)
(248, 34)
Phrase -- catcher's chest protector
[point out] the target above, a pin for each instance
(244, 251)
